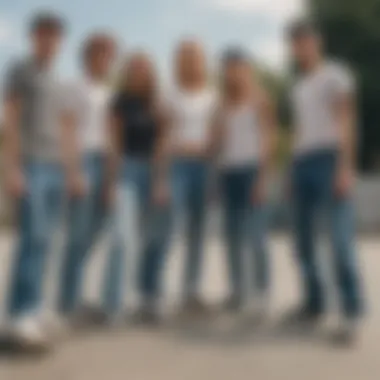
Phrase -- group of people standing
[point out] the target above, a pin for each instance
(139, 161)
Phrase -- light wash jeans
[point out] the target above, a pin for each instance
(38, 216)
(139, 235)
(85, 222)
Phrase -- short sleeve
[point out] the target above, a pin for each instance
(343, 82)
(13, 84)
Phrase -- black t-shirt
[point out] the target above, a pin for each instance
(139, 125)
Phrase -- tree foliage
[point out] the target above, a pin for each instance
(351, 30)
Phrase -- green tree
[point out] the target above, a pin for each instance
(351, 30)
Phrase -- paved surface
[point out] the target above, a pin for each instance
(211, 350)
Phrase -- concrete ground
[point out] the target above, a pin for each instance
(210, 350)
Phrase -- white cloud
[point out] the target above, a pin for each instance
(271, 52)
(6, 32)
(269, 48)
(277, 9)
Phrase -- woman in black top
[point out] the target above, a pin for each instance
(138, 135)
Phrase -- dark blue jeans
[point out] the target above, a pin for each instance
(313, 185)
(38, 215)
(245, 227)
(86, 218)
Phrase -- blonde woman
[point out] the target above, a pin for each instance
(191, 107)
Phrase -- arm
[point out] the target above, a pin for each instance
(12, 148)
(343, 92)
(14, 178)
(216, 136)
(162, 157)
(113, 149)
(346, 115)
(71, 152)
(268, 142)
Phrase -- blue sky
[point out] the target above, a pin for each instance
(156, 25)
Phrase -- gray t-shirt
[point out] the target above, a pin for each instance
(38, 92)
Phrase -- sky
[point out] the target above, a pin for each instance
(156, 26)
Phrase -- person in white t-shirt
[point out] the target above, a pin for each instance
(323, 173)
(85, 113)
(245, 129)
(191, 106)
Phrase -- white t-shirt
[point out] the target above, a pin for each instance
(192, 114)
(241, 141)
(88, 101)
(314, 97)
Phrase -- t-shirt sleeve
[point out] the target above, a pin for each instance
(13, 84)
(343, 82)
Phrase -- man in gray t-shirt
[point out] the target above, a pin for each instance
(36, 89)
(32, 176)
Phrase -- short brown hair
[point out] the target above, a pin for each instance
(302, 28)
(47, 21)
(97, 42)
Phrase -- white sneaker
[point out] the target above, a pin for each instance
(257, 309)
(29, 332)
(346, 332)
(53, 325)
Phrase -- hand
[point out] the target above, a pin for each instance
(15, 183)
(344, 182)
(161, 194)
(109, 194)
(76, 185)
(192, 150)
(259, 192)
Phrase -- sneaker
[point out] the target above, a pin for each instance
(55, 326)
(232, 304)
(146, 316)
(194, 307)
(257, 310)
(346, 332)
(29, 333)
(89, 316)
(302, 316)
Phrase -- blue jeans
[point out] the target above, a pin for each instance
(190, 179)
(244, 223)
(38, 215)
(86, 217)
(140, 234)
(313, 185)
